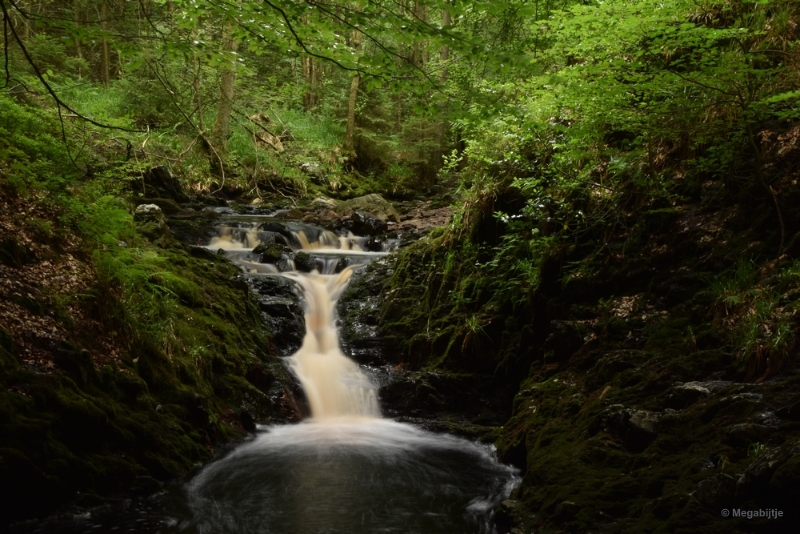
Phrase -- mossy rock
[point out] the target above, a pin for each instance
(304, 263)
(167, 205)
(374, 204)
(271, 252)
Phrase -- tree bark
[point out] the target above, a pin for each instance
(441, 127)
(198, 96)
(76, 18)
(311, 78)
(349, 139)
(421, 14)
(227, 82)
(105, 59)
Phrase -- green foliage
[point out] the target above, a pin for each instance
(757, 312)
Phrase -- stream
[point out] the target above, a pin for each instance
(344, 469)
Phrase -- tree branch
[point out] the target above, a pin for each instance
(60, 103)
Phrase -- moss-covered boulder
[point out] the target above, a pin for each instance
(271, 252)
(373, 203)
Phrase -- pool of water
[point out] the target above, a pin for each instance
(351, 475)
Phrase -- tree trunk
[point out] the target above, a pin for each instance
(219, 138)
(421, 14)
(227, 83)
(26, 27)
(349, 139)
(76, 18)
(198, 96)
(441, 127)
(311, 78)
(444, 51)
(105, 54)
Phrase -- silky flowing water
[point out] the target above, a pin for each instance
(343, 470)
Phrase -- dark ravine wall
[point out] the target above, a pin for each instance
(620, 394)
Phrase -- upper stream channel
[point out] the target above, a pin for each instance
(343, 469)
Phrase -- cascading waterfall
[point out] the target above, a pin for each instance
(333, 383)
(345, 469)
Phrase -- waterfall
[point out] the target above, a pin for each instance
(345, 469)
(333, 383)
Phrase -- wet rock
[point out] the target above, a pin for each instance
(271, 252)
(717, 491)
(280, 304)
(285, 264)
(509, 516)
(374, 204)
(359, 312)
(363, 223)
(291, 214)
(260, 377)
(280, 229)
(303, 262)
(247, 421)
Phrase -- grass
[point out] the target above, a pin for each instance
(755, 310)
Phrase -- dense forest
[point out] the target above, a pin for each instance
(596, 213)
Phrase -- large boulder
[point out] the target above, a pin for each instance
(363, 223)
(158, 182)
(146, 212)
(374, 204)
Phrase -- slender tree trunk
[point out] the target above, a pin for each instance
(105, 59)
(441, 127)
(444, 51)
(198, 96)
(315, 78)
(76, 18)
(349, 140)
(26, 28)
(421, 14)
(227, 83)
(311, 77)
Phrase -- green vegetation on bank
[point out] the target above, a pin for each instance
(124, 356)
(629, 224)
